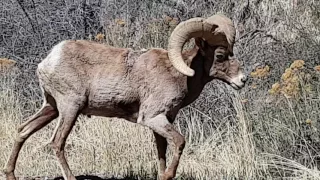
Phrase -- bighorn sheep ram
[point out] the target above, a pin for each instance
(146, 87)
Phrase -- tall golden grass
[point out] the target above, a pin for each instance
(115, 147)
(268, 130)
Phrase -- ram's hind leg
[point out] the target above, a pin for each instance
(68, 113)
(43, 117)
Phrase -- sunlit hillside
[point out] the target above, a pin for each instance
(268, 130)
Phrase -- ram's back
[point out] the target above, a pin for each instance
(83, 68)
(113, 81)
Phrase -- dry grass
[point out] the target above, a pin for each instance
(251, 135)
(117, 147)
(114, 147)
(6, 63)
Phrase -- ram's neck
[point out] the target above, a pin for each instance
(196, 83)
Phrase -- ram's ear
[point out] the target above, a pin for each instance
(201, 43)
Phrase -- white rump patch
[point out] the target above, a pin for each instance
(53, 58)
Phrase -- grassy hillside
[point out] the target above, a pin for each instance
(268, 130)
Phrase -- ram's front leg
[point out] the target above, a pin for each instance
(165, 129)
(162, 144)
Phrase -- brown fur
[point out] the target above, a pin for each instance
(139, 86)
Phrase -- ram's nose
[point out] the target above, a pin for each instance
(244, 79)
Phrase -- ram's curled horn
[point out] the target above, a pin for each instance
(217, 30)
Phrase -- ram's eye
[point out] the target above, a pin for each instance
(220, 57)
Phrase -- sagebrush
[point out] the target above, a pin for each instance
(268, 131)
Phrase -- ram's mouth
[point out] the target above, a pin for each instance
(235, 86)
(238, 82)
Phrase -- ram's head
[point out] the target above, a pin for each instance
(215, 38)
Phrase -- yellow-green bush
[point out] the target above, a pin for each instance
(295, 80)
